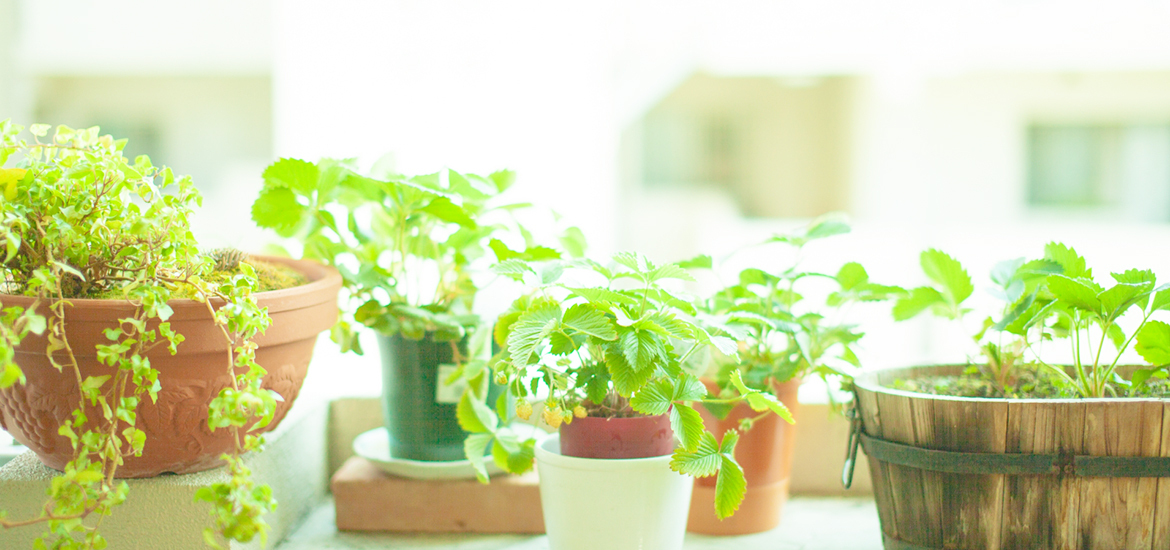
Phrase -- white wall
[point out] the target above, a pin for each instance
(79, 37)
(472, 86)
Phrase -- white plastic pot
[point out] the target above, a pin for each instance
(611, 504)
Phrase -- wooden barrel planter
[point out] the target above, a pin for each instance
(958, 473)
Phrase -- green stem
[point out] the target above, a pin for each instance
(1113, 366)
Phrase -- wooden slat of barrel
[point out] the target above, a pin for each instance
(1162, 500)
(922, 414)
(906, 484)
(1030, 501)
(1118, 512)
(968, 426)
(878, 470)
(1029, 511)
(1070, 434)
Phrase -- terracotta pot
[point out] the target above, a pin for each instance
(637, 437)
(177, 437)
(765, 453)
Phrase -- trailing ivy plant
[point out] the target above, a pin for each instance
(1048, 300)
(792, 323)
(80, 220)
(405, 245)
(618, 342)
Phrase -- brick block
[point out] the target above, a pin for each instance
(368, 499)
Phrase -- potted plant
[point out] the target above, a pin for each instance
(1048, 439)
(612, 358)
(127, 352)
(789, 324)
(405, 247)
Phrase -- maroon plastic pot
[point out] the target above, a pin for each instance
(637, 437)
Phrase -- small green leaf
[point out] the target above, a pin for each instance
(603, 296)
(11, 375)
(573, 241)
(689, 388)
(1153, 343)
(474, 416)
(474, 448)
(851, 275)
(445, 210)
(704, 460)
(701, 261)
(948, 272)
(587, 319)
(687, 424)
(1072, 264)
(918, 300)
(1075, 292)
(828, 225)
(503, 179)
(760, 401)
(730, 485)
(655, 398)
(626, 379)
(277, 208)
(298, 175)
(513, 269)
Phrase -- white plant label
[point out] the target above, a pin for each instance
(445, 393)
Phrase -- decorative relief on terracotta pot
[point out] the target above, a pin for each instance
(178, 437)
(284, 381)
(180, 409)
(36, 414)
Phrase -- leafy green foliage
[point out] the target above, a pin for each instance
(783, 334)
(946, 299)
(709, 458)
(79, 220)
(611, 349)
(1050, 299)
(406, 246)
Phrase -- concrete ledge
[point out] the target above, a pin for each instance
(160, 512)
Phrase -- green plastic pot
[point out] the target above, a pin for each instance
(418, 409)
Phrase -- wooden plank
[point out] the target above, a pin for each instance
(971, 504)
(1030, 502)
(879, 472)
(934, 484)
(1117, 513)
(1070, 436)
(905, 483)
(1162, 500)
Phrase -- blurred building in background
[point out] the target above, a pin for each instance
(672, 128)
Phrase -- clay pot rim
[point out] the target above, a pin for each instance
(868, 381)
(323, 282)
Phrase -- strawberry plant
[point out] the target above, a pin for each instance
(606, 341)
(1055, 302)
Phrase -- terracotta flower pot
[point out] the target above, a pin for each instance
(765, 453)
(636, 437)
(177, 436)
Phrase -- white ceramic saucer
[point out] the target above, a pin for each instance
(374, 446)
